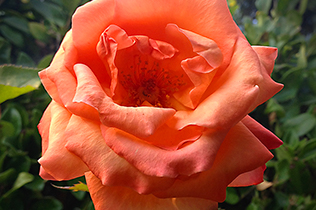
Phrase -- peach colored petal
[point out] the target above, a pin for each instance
(151, 160)
(270, 140)
(171, 139)
(45, 175)
(203, 46)
(209, 19)
(201, 68)
(58, 78)
(44, 126)
(240, 152)
(49, 86)
(253, 177)
(268, 87)
(112, 39)
(139, 121)
(69, 166)
(121, 198)
(94, 17)
(237, 92)
(111, 169)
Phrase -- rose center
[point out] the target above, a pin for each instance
(147, 82)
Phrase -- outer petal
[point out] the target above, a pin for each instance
(151, 160)
(111, 169)
(234, 157)
(237, 92)
(69, 166)
(270, 140)
(253, 177)
(211, 19)
(121, 198)
(140, 121)
(58, 78)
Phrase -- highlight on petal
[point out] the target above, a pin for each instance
(110, 168)
(139, 121)
(234, 157)
(69, 165)
(154, 161)
(269, 139)
(121, 198)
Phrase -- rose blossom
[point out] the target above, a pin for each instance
(150, 101)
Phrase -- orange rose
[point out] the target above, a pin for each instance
(150, 102)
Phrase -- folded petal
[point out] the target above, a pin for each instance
(253, 177)
(240, 89)
(69, 165)
(111, 169)
(270, 140)
(121, 198)
(58, 78)
(139, 121)
(240, 152)
(154, 161)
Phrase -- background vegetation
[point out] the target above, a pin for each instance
(30, 33)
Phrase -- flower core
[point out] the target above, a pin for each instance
(148, 82)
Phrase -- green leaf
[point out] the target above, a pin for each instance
(263, 5)
(302, 123)
(16, 81)
(12, 35)
(44, 62)
(5, 51)
(309, 150)
(23, 178)
(6, 129)
(232, 196)
(6, 175)
(12, 115)
(51, 12)
(17, 22)
(39, 31)
(25, 60)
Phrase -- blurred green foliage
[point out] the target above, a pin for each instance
(30, 33)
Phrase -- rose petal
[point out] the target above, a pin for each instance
(43, 127)
(268, 87)
(121, 198)
(151, 17)
(171, 139)
(237, 92)
(235, 156)
(270, 140)
(110, 168)
(57, 79)
(139, 121)
(253, 177)
(94, 17)
(69, 166)
(151, 160)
